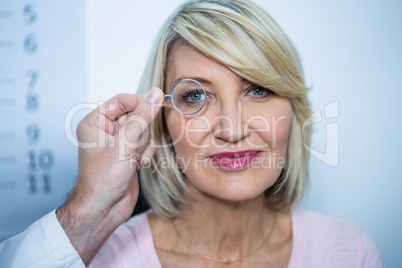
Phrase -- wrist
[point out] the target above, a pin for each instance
(87, 224)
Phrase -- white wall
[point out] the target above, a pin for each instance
(351, 52)
(37, 170)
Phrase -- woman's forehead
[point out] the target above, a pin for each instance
(187, 62)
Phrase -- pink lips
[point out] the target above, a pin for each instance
(233, 161)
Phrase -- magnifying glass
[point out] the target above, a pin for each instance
(188, 96)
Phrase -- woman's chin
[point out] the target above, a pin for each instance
(233, 191)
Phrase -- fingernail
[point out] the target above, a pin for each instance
(154, 96)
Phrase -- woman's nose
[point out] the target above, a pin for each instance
(229, 122)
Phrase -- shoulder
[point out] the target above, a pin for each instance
(328, 240)
(321, 226)
(124, 248)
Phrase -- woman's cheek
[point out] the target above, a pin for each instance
(284, 123)
(175, 127)
(197, 133)
(271, 129)
(192, 132)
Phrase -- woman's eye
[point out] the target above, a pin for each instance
(259, 91)
(193, 95)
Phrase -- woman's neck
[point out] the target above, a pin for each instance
(226, 229)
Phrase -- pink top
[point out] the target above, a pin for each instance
(318, 241)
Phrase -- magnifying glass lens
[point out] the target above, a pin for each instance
(188, 96)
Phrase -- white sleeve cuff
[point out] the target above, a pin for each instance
(43, 244)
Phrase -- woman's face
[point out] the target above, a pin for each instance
(235, 147)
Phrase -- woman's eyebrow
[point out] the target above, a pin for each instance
(204, 81)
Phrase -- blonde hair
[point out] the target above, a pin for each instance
(244, 38)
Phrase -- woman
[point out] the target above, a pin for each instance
(224, 179)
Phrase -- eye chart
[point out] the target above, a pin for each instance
(42, 77)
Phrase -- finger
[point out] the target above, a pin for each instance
(144, 141)
(113, 109)
(105, 116)
(152, 100)
(120, 105)
(148, 153)
(132, 132)
(143, 115)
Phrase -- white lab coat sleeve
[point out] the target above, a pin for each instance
(43, 244)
